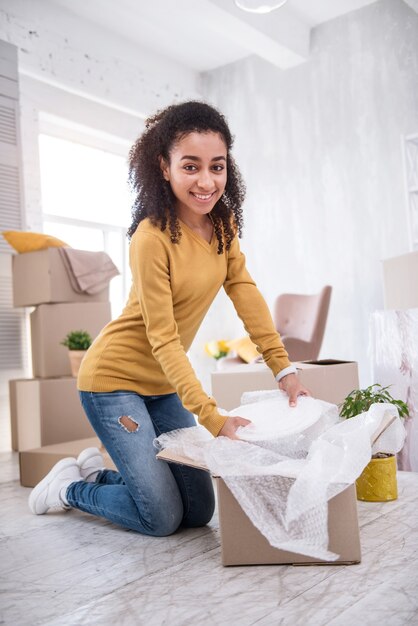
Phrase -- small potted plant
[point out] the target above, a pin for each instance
(377, 482)
(77, 342)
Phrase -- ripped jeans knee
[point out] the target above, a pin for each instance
(128, 423)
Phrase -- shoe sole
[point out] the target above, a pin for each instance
(42, 486)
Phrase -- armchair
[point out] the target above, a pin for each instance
(301, 320)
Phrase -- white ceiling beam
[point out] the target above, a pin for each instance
(278, 37)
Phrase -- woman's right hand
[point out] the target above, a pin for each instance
(230, 427)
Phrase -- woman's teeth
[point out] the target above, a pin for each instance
(201, 196)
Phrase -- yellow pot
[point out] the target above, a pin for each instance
(377, 482)
(76, 356)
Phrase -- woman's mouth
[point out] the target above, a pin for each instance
(203, 197)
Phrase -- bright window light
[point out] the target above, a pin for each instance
(84, 183)
(87, 203)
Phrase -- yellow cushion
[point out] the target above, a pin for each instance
(23, 241)
(245, 349)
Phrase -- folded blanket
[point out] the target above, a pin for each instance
(89, 272)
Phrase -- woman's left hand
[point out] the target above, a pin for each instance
(292, 386)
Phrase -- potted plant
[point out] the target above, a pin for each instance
(377, 482)
(77, 342)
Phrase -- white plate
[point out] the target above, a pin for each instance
(275, 419)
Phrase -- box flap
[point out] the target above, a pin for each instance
(300, 365)
(169, 455)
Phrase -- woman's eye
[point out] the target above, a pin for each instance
(218, 168)
(190, 168)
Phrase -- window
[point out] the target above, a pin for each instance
(86, 202)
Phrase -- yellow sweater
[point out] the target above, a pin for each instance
(173, 286)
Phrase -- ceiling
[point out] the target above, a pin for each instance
(206, 34)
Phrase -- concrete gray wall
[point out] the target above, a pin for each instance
(320, 147)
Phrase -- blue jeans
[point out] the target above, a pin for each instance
(146, 495)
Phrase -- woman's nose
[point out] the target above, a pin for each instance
(205, 180)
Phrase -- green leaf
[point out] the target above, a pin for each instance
(77, 340)
(360, 400)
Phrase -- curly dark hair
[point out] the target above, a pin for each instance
(154, 196)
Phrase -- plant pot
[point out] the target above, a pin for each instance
(76, 356)
(377, 482)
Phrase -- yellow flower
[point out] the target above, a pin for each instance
(217, 349)
(223, 346)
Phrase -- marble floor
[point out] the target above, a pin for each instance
(68, 568)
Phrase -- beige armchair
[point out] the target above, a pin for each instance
(301, 320)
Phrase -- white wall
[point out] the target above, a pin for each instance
(72, 68)
(320, 150)
(319, 145)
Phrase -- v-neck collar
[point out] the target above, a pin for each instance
(208, 246)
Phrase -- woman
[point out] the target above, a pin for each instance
(136, 381)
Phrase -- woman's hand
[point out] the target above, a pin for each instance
(292, 386)
(230, 427)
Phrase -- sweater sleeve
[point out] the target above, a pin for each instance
(253, 310)
(151, 278)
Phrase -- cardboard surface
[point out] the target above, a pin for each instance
(243, 544)
(50, 323)
(35, 464)
(41, 278)
(327, 379)
(46, 411)
(400, 280)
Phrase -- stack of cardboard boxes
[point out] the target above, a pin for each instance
(45, 410)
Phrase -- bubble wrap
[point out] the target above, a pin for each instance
(284, 483)
(394, 356)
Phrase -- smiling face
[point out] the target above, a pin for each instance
(196, 173)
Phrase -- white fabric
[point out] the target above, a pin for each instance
(284, 483)
(394, 355)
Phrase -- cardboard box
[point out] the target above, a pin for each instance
(243, 544)
(400, 280)
(327, 379)
(45, 411)
(41, 278)
(50, 323)
(35, 464)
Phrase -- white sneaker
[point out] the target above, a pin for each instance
(91, 462)
(50, 492)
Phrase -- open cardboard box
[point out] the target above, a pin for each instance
(327, 379)
(40, 278)
(243, 544)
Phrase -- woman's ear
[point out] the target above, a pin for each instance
(164, 168)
